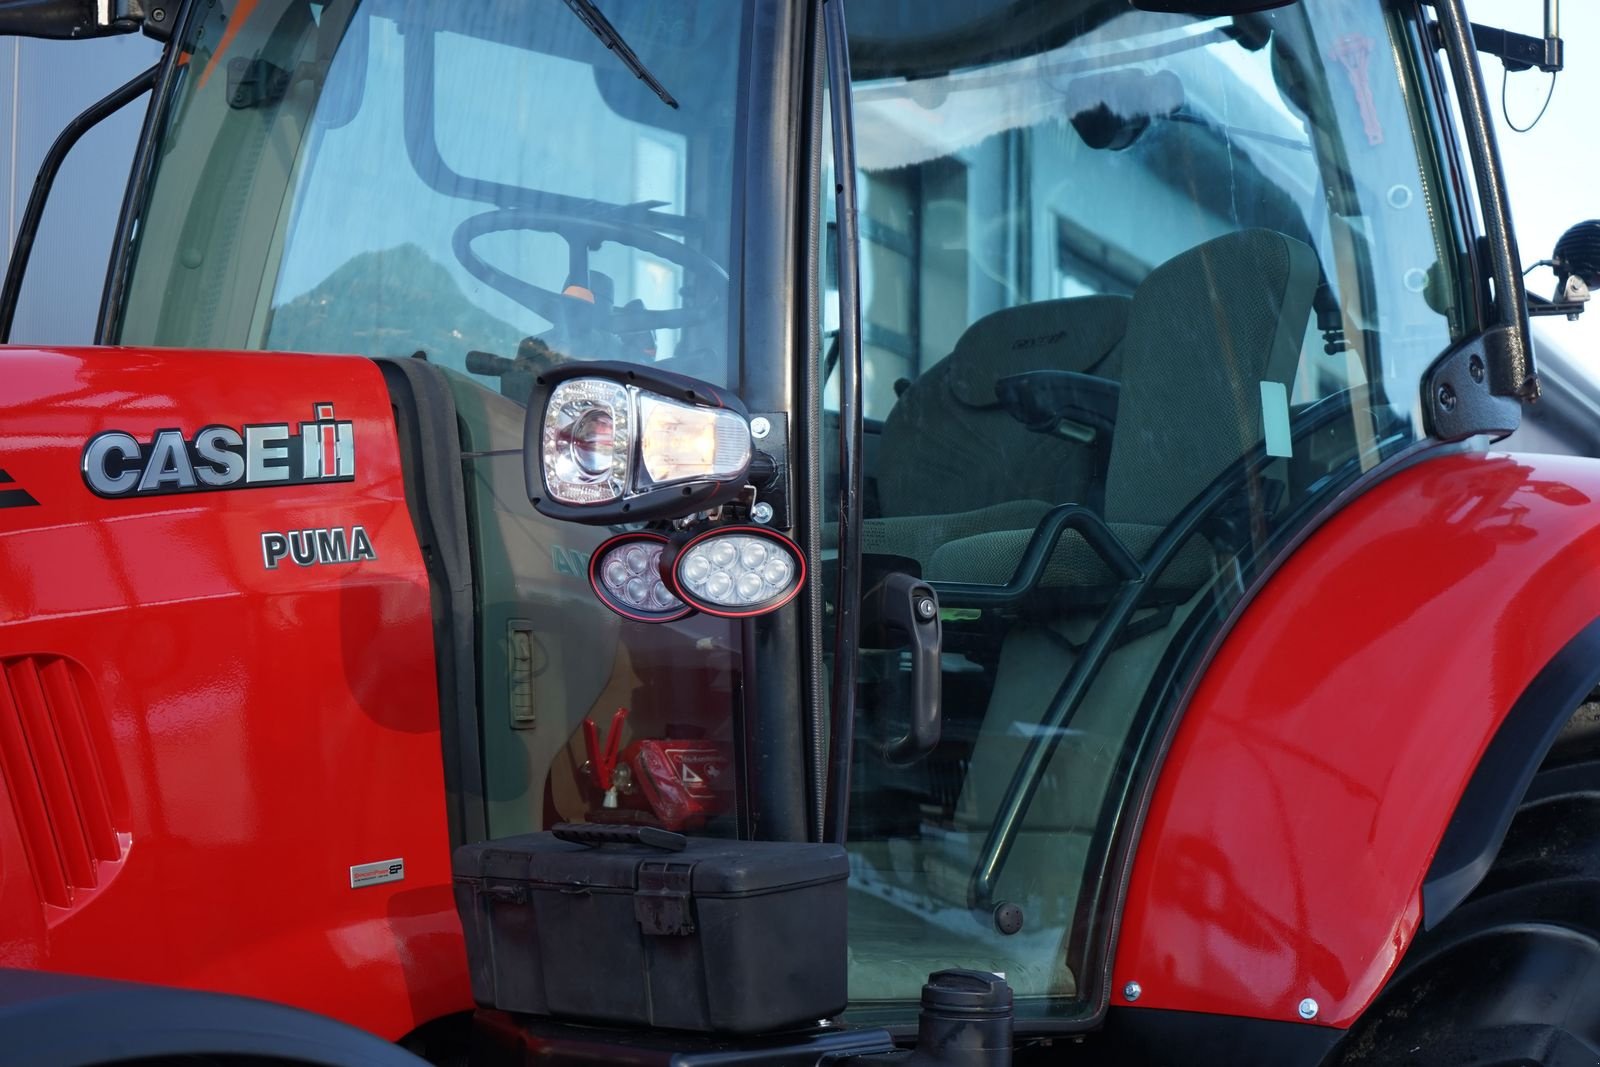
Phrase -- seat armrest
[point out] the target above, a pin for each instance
(1062, 403)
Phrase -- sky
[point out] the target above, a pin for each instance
(1551, 170)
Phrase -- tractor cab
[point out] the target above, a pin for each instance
(1141, 294)
(889, 409)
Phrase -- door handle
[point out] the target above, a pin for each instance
(908, 612)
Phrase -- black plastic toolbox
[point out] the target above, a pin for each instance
(728, 936)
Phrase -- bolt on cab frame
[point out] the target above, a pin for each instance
(1119, 570)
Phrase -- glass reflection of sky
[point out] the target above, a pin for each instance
(503, 113)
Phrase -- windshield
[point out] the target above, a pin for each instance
(1141, 293)
(391, 178)
(487, 187)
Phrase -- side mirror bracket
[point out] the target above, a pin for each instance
(1519, 51)
(72, 20)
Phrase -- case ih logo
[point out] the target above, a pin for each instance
(116, 464)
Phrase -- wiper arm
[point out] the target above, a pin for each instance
(601, 27)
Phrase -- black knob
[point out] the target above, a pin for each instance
(1007, 918)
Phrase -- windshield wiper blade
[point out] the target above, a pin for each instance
(601, 27)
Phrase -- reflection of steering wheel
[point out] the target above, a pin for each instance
(708, 282)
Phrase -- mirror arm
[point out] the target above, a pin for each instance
(50, 19)
(1571, 307)
(1519, 51)
(75, 20)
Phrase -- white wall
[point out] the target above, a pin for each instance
(43, 84)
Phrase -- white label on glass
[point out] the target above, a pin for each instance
(1275, 419)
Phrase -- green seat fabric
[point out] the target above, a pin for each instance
(1205, 329)
(948, 446)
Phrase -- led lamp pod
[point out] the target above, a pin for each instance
(625, 573)
(734, 571)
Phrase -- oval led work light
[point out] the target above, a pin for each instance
(616, 442)
(734, 571)
(626, 575)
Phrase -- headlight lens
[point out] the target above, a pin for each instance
(587, 441)
(593, 442)
(736, 571)
(626, 575)
(681, 442)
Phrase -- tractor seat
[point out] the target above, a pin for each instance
(1204, 330)
(952, 462)
(949, 446)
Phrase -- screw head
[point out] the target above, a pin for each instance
(1447, 397)
(926, 609)
(1308, 1009)
(760, 426)
(1475, 368)
(761, 513)
(158, 15)
(1131, 992)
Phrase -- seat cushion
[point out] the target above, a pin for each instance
(920, 537)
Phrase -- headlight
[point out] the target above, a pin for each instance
(616, 442)
(734, 571)
(588, 431)
(626, 575)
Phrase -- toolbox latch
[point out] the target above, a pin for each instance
(662, 901)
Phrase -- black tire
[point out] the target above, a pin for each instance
(1512, 977)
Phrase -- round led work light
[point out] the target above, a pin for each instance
(616, 442)
(734, 571)
(626, 575)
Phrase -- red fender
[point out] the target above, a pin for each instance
(1324, 751)
(196, 745)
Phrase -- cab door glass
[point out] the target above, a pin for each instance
(1139, 293)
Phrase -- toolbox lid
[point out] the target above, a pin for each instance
(719, 867)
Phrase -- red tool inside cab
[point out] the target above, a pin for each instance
(1023, 468)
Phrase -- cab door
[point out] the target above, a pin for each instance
(1139, 293)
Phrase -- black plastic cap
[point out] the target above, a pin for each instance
(966, 992)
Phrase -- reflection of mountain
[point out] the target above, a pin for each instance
(391, 303)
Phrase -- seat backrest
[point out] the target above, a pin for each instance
(1206, 328)
(948, 446)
